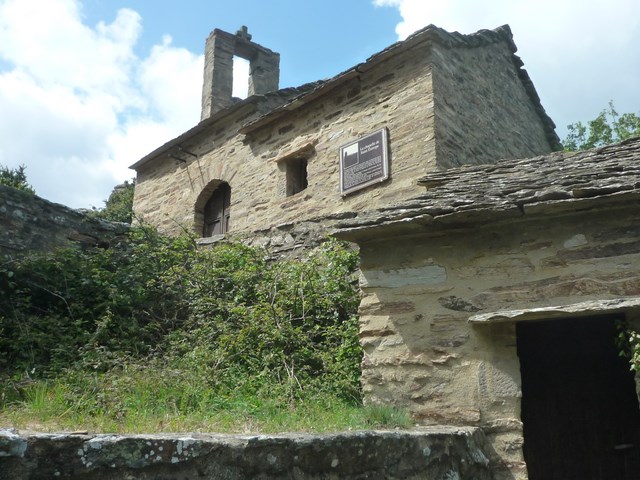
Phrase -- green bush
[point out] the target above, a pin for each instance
(119, 206)
(16, 178)
(70, 306)
(290, 323)
(226, 322)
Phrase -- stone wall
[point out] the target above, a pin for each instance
(395, 89)
(422, 353)
(446, 277)
(482, 114)
(442, 453)
(30, 223)
(258, 180)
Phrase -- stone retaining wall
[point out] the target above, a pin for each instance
(437, 453)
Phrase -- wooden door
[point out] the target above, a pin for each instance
(217, 211)
(579, 405)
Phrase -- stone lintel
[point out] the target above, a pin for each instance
(297, 151)
(581, 309)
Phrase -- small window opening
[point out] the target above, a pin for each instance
(296, 176)
(240, 77)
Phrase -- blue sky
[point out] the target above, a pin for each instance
(87, 87)
(313, 35)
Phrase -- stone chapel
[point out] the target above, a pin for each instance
(433, 101)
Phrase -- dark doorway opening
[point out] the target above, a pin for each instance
(217, 211)
(579, 404)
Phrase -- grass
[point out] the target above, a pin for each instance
(142, 404)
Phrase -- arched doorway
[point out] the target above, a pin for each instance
(217, 211)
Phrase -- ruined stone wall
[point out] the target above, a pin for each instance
(484, 113)
(30, 223)
(421, 351)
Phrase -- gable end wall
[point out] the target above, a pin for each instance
(483, 112)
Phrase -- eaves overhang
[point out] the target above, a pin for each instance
(246, 105)
(465, 198)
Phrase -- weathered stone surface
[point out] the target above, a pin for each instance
(220, 49)
(424, 275)
(580, 309)
(30, 223)
(454, 303)
(548, 238)
(438, 453)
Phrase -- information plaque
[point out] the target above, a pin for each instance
(364, 162)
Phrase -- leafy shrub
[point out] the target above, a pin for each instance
(119, 206)
(628, 344)
(289, 323)
(69, 306)
(16, 178)
(226, 320)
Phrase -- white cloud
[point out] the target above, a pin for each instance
(78, 106)
(579, 54)
(172, 80)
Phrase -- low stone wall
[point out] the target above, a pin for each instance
(436, 453)
(31, 223)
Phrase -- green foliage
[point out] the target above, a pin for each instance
(607, 128)
(70, 306)
(155, 325)
(387, 416)
(628, 342)
(119, 206)
(293, 322)
(16, 178)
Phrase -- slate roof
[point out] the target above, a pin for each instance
(472, 195)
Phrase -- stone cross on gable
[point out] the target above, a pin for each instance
(244, 34)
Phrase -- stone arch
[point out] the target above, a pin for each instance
(212, 209)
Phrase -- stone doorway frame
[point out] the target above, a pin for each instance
(627, 307)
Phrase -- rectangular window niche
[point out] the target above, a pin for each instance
(295, 163)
